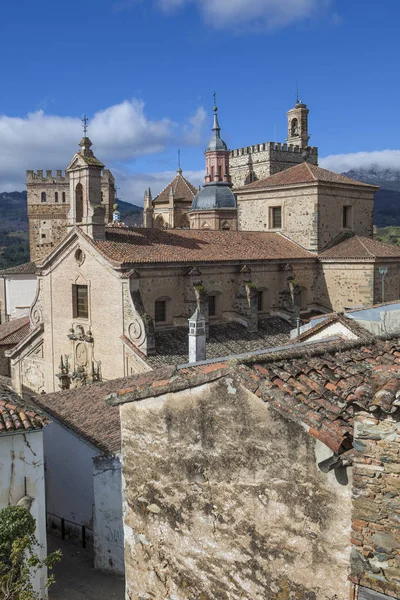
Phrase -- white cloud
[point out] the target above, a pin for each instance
(241, 14)
(378, 159)
(120, 133)
(194, 130)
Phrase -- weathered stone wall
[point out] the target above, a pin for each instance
(312, 215)
(391, 289)
(223, 500)
(48, 220)
(225, 281)
(345, 284)
(375, 556)
(262, 160)
(299, 212)
(332, 199)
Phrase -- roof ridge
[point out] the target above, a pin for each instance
(166, 187)
(311, 171)
(360, 240)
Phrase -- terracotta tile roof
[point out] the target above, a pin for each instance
(181, 188)
(362, 248)
(15, 415)
(172, 347)
(85, 411)
(14, 331)
(317, 386)
(25, 269)
(132, 246)
(303, 173)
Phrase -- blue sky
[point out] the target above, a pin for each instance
(144, 72)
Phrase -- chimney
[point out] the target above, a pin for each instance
(197, 337)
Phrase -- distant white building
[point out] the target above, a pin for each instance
(17, 291)
(22, 466)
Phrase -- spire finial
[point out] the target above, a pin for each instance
(179, 162)
(85, 125)
(215, 102)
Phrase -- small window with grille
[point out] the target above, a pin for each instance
(276, 217)
(80, 301)
(55, 196)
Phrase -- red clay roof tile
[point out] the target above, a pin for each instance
(302, 173)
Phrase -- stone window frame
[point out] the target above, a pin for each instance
(217, 304)
(43, 197)
(77, 311)
(167, 302)
(63, 198)
(271, 217)
(56, 197)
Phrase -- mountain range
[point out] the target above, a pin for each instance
(14, 247)
(387, 198)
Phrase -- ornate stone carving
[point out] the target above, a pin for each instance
(138, 325)
(36, 311)
(32, 376)
(81, 354)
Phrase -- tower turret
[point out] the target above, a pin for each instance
(86, 208)
(214, 207)
(298, 125)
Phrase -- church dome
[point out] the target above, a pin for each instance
(213, 196)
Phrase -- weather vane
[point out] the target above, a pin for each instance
(179, 158)
(215, 98)
(85, 126)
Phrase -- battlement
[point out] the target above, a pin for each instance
(37, 177)
(271, 147)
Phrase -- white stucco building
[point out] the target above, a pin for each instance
(22, 466)
(17, 291)
(82, 448)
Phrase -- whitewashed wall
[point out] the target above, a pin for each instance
(20, 292)
(108, 523)
(22, 473)
(69, 475)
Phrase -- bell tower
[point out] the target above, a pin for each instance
(298, 125)
(85, 182)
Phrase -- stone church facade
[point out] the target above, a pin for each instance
(284, 246)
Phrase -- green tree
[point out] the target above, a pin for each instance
(18, 555)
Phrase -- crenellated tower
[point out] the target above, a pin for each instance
(49, 195)
(258, 161)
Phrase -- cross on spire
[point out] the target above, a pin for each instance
(85, 125)
(116, 191)
(215, 98)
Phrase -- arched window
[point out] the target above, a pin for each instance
(159, 222)
(294, 127)
(79, 203)
(184, 222)
(55, 196)
(43, 197)
(63, 196)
